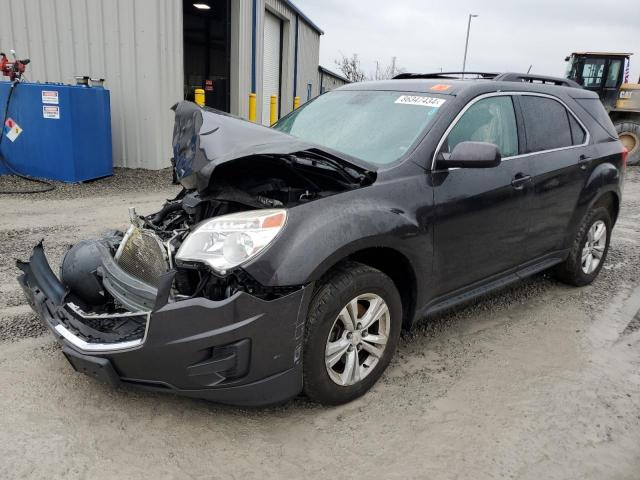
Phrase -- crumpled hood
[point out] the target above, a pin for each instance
(204, 139)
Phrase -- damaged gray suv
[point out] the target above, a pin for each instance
(293, 256)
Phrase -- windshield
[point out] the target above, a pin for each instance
(375, 126)
(571, 68)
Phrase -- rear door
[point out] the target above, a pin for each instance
(559, 163)
(482, 214)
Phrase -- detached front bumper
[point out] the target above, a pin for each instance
(240, 351)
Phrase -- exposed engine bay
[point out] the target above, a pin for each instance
(129, 271)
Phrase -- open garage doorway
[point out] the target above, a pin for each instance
(206, 34)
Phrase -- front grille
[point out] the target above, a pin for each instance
(102, 328)
(143, 256)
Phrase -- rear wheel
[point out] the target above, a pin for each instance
(589, 249)
(629, 134)
(352, 332)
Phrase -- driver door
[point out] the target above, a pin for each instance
(482, 214)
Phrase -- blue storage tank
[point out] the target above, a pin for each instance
(64, 131)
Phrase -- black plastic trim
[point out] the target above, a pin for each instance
(135, 294)
(38, 274)
(241, 350)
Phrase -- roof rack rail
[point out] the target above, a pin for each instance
(446, 75)
(530, 78)
(498, 77)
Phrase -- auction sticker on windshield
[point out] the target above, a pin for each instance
(422, 101)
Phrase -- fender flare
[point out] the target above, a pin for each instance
(605, 178)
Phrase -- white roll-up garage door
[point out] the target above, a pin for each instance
(270, 63)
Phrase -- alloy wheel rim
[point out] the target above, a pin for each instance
(357, 339)
(594, 247)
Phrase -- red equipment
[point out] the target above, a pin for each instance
(13, 70)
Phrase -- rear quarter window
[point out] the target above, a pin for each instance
(546, 123)
(596, 110)
(577, 132)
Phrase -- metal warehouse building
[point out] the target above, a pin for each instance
(153, 53)
(329, 80)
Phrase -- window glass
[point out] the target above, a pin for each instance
(596, 110)
(592, 72)
(375, 126)
(570, 71)
(546, 122)
(491, 120)
(578, 134)
(614, 73)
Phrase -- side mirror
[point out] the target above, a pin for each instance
(472, 155)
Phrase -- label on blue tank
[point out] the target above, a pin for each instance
(51, 111)
(50, 97)
(11, 129)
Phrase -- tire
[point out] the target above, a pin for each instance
(572, 271)
(329, 313)
(629, 133)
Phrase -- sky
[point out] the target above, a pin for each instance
(508, 35)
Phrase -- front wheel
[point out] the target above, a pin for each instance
(589, 249)
(352, 332)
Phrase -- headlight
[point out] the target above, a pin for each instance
(226, 242)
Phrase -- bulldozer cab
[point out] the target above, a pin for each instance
(604, 73)
(601, 72)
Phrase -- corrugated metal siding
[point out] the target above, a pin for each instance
(241, 56)
(308, 60)
(280, 9)
(136, 45)
(329, 82)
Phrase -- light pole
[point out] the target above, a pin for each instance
(466, 43)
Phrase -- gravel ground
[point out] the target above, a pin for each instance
(123, 180)
(537, 381)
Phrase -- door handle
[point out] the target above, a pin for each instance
(520, 180)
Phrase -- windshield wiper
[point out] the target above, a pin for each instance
(347, 173)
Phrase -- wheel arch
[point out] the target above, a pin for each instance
(602, 186)
(611, 201)
(396, 266)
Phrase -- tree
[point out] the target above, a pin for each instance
(387, 72)
(350, 68)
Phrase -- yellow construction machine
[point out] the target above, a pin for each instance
(606, 73)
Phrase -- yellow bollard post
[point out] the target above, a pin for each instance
(252, 107)
(199, 97)
(296, 102)
(273, 113)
